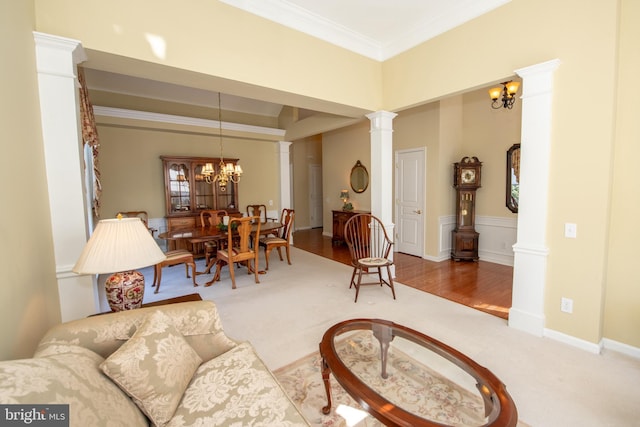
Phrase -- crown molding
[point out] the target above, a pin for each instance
(122, 113)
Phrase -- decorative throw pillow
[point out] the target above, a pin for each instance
(154, 367)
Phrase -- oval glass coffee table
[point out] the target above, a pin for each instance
(405, 378)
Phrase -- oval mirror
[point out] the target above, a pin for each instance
(513, 177)
(359, 178)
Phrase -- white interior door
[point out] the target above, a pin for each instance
(315, 196)
(410, 218)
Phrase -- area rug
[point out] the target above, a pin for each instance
(423, 390)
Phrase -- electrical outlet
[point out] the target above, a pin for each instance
(566, 305)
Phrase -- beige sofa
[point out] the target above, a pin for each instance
(169, 365)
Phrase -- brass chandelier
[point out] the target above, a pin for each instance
(226, 171)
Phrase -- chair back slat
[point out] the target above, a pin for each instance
(240, 238)
(259, 211)
(286, 220)
(212, 217)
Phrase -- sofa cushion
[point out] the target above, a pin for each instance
(154, 367)
(197, 321)
(68, 374)
(235, 388)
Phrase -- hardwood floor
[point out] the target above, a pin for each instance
(482, 285)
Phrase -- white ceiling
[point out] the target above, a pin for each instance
(378, 29)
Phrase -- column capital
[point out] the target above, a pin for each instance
(381, 120)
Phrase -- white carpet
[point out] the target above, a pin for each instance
(285, 316)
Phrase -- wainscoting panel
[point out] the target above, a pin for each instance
(497, 236)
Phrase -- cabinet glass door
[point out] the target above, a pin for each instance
(179, 187)
(203, 190)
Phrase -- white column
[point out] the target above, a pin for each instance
(285, 178)
(56, 59)
(381, 171)
(531, 250)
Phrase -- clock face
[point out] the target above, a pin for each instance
(468, 176)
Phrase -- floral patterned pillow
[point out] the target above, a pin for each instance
(154, 367)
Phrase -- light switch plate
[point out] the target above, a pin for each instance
(570, 230)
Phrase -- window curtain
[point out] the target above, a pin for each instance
(90, 137)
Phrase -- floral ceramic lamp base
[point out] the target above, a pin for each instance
(125, 290)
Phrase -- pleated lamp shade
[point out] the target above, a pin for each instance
(120, 246)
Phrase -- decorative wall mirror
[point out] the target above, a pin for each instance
(513, 177)
(359, 178)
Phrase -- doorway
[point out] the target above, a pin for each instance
(315, 196)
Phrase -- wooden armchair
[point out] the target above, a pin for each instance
(271, 242)
(239, 249)
(369, 247)
(209, 218)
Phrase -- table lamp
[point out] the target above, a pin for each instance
(344, 195)
(120, 245)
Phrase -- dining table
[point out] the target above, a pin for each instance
(218, 234)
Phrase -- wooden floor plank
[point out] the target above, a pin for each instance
(482, 285)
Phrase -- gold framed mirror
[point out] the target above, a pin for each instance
(359, 178)
(513, 178)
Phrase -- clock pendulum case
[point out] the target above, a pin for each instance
(466, 180)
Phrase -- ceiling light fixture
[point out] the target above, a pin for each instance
(226, 171)
(508, 91)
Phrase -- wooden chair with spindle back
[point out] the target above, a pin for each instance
(369, 247)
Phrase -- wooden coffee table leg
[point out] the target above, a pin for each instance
(327, 387)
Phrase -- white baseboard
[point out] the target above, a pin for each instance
(573, 341)
(623, 348)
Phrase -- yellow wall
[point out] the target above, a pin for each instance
(341, 149)
(29, 302)
(209, 38)
(135, 181)
(622, 310)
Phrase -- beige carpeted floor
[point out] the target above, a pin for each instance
(285, 316)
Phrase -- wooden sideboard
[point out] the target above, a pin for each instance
(340, 218)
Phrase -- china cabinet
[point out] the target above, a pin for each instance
(466, 180)
(187, 191)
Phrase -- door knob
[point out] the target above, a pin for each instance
(417, 211)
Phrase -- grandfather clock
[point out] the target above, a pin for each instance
(466, 180)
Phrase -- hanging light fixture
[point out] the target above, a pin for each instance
(226, 171)
(508, 91)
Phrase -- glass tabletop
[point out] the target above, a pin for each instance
(404, 377)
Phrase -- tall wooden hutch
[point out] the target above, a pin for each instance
(187, 191)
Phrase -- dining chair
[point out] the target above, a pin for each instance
(259, 211)
(238, 249)
(209, 245)
(282, 240)
(369, 248)
(176, 257)
(143, 215)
